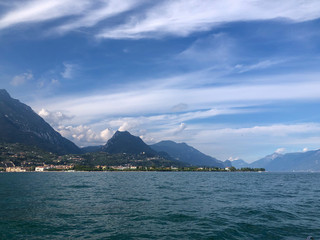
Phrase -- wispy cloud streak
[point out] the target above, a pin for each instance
(39, 11)
(108, 8)
(150, 101)
(182, 18)
(174, 17)
(84, 13)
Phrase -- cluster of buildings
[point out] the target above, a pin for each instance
(53, 167)
(16, 169)
(125, 167)
(38, 168)
(45, 168)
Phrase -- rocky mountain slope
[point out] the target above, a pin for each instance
(20, 124)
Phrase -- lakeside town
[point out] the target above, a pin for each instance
(21, 158)
(71, 168)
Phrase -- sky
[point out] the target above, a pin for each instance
(232, 78)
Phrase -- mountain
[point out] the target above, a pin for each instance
(20, 124)
(91, 149)
(124, 142)
(266, 161)
(185, 153)
(239, 163)
(227, 163)
(299, 162)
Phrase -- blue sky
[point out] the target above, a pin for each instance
(235, 79)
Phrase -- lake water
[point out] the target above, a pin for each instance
(159, 205)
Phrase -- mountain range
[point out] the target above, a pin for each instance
(20, 124)
(289, 162)
(124, 142)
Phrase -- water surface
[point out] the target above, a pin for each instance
(159, 205)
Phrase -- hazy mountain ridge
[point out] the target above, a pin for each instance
(90, 149)
(267, 160)
(240, 163)
(299, 161)
(289, 162)
(185, 153)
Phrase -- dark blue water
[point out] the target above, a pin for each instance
(158, 205)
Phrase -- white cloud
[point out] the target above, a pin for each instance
(83, 13)
(93, 16)
(69, 70)
(39, 11)
(179, 129)
(183, 17)
(157, 19)
(260, 65)
(280, 150)
(126, 126)
(151, 101)
(106, 134)
(54, 118)
(83, 135)
(168, 125)
(276, 130)
(21, 79)
(167, 122)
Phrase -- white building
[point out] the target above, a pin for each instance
(39, 169)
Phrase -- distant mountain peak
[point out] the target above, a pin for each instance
(122, 133)
(125, 142)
